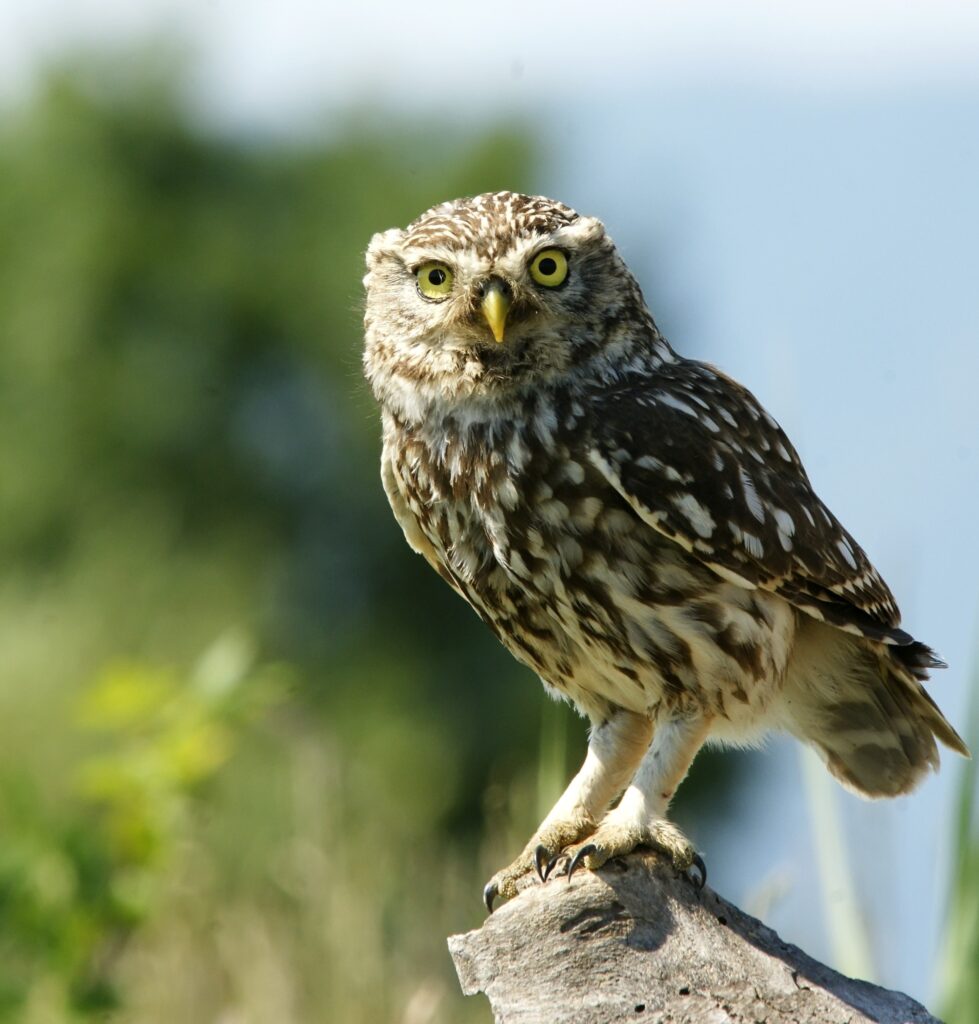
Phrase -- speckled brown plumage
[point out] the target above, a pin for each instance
(630, 524)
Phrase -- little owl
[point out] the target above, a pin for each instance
(632, 525)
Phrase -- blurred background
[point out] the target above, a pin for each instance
(256, 760)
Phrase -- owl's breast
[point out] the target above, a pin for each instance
(498, 516)
(530, 534)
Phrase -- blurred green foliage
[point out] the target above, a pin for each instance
(75, 883)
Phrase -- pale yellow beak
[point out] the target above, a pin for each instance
(496, 305)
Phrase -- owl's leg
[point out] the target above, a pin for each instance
(615, 748)
(639, 819)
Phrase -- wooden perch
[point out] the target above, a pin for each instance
(634, 942)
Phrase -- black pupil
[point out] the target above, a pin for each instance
(436, 277)
(547, 266)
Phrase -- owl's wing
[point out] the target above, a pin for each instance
(699, 460)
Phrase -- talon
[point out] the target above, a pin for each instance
(541, 862)
(489, 894)
(583, 852)
(551, 865)
(698, 863)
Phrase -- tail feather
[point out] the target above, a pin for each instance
(917, 658)
(862, 706)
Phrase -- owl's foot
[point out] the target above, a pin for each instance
(615, 838)
(539, 855)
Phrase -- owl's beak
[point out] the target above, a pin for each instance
(495, 306)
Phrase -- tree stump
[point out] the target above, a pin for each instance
(635, 942)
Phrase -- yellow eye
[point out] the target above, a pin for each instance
(434, 280)
(549, 268)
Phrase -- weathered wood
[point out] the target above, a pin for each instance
(633, 942)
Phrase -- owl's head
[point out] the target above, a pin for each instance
(485, 296)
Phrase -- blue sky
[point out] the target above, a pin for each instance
(796, 186)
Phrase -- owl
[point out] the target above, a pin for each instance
(632, 525)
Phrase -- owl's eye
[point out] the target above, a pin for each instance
(549, 268)
(434, 280)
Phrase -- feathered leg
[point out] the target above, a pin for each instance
(639, 819)
(615, 748)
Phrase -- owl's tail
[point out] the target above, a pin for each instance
(861, 705)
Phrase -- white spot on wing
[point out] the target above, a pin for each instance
(675, 403)
(784, 521)
(755, 506)
(698, 516)
(753, 545)
(847, 552)
(785, 525)
(654, 464)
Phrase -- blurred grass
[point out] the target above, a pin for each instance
(845, 924)
(958, 966)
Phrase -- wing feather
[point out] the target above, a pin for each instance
(699, 459)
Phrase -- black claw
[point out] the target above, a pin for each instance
(582, 853)
(698, 863)
(489, 894)
(551, 865)
(541, 862)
